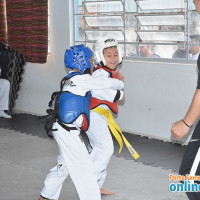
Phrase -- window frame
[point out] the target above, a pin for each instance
(125, 43)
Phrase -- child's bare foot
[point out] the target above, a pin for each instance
(106, 192)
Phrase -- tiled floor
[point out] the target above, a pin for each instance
(27, 154)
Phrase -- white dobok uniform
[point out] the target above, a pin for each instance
(4, 93)
(98, 133)
(74, 159)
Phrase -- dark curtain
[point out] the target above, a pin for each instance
(27, 28)
(3, 37)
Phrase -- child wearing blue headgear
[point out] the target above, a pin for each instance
(73, 115)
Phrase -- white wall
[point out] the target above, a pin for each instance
(157, 94)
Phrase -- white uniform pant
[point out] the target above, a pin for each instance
(102, 144)
(4, 94)
(75, 161)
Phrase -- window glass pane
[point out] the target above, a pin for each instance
(194, 25)
(130, 6)
(194, 50)
(78, 7)
(114, 6)
(160, 4)
(161, 36)
(194, 35)
(131, 50)
(95, 35)
(180, 51)
(90, 45)
(130, 28)
(104, 21)
(79, 32)
(121, 47)
(150, 51)
(161, 51)
(161, 20)
(191, 5)
(77, 43)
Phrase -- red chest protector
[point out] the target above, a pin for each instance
(96, 102)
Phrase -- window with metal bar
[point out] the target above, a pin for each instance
(143, 28)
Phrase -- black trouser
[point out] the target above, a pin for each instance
(188, 160)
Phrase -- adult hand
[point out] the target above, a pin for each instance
(179, 130)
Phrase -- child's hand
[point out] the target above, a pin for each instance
(121, 77)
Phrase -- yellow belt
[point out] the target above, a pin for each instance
(116, 131)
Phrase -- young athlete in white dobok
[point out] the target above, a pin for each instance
(72, 109)
(108, 56)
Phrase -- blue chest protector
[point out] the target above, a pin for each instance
(71, 106)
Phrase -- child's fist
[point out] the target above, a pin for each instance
(121, 77)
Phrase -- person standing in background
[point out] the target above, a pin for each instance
(4, 97)
(194, 50)
(146, 51)
(190, 163)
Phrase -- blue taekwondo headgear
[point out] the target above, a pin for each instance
(78, 57)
